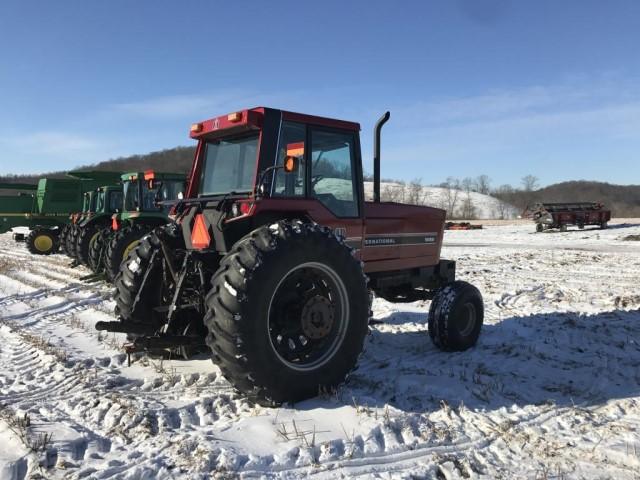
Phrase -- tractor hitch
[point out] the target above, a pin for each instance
(126, 327)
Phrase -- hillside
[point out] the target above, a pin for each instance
(623, 200)
(177, 159)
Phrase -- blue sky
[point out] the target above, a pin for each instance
(499, 87)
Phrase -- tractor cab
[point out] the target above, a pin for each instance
(109, 199)
(261, 164)
(151, 192)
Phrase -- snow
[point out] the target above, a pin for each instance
(551, 390)
(485, 206)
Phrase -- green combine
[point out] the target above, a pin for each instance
(146, 204)
(47, 207)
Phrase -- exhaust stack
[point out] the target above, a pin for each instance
(376, 155)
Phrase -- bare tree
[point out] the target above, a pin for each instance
(414, 195)
(393, 193)
(451, 191)
(503, 193)
(468, 209)
(529, 183)
(483, 184)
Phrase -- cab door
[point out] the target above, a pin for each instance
(334, 180)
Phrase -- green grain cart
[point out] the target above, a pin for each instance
(47, 207)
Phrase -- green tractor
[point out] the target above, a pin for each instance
(146, 204)
(108, 200)
(46, 208)
(69, 233)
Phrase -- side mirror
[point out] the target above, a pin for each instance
(291, 164)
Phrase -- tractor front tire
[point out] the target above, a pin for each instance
(455, 316)
(86, 237)
(97, 250)
(287, 312)
(122, 242)
(42, 241)
(539, 227)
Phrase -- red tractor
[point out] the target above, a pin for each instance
(275, 252)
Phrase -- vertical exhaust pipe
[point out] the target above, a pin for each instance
(376, 155)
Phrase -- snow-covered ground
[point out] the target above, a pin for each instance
(552, 390)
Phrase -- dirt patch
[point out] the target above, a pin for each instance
(7, 264)
(632, 238)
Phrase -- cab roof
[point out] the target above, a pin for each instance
(252, 119)
(151, 174)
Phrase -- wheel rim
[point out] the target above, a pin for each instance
(43, 243)
(129, 248)
(467, 319)
(308, 316)
(93, 238)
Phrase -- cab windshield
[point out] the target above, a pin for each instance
(162, 191)
(131, 195)
(100, 204)
(229, 165)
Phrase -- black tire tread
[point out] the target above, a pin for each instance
(37, 232)
(227, 332)
(440, 329)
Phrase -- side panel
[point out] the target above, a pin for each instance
(401, 236)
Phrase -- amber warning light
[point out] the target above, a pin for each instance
(295, 149)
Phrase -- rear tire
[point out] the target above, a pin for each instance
(97, 250)
(455, 316)
(122, 242)
(86, 237)
(70, 241)
(62, 239)
(563, 228)
(128, 282)
(604, 226)
(287, 312)
(42, 241)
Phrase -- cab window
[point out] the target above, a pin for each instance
(333, 179)
(115, 201)
(292, 135)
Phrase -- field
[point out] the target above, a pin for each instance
(552, 390)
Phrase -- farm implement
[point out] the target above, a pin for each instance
(274, 256)
(46, 208)
(562, 215)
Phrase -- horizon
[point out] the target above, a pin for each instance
(484, 87)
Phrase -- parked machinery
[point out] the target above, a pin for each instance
(51, 203)
(562, 215)
(147, 198)
(275, 253)
(108, 200)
